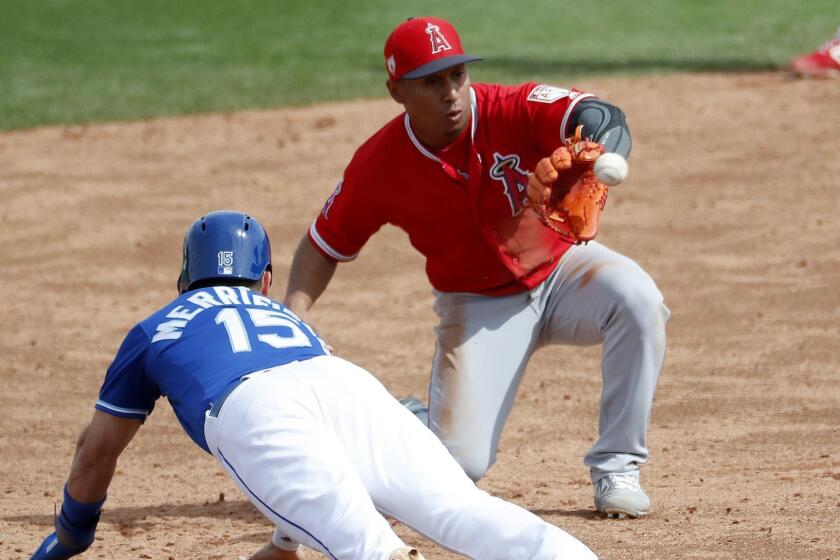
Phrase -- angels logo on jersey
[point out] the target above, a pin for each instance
(514, 180)
(439, 42)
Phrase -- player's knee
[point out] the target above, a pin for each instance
(475, 471)
(642, 307)
(472, 449)
(474, 466)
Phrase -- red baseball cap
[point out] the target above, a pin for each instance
(421, 46)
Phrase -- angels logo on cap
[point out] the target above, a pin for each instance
(438, 40)
(407, 52)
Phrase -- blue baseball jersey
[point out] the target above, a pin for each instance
(192, 349)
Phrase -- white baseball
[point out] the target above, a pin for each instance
(611, 169)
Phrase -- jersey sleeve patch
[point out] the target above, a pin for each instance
(547, 94)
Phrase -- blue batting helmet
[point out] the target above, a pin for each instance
(224, 245)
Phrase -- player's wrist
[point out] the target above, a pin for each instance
(53, 549)
(75, 526)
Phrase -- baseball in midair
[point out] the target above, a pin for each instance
(611, 169)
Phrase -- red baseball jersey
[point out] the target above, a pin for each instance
(463, 207)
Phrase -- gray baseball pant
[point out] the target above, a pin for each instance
(594, 296)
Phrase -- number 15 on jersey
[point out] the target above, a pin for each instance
(278, 329)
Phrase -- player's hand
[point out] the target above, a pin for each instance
(545, 174)
(563, 191)
(54, 549)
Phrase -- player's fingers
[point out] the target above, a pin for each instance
(586, 152)
(535, 190)
(545, 172)
(561, 158)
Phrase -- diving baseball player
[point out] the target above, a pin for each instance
(316, 443)
(452, 172)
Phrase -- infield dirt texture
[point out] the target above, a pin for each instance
(731, 204)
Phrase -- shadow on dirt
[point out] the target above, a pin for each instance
(582, 513)
(127, 519)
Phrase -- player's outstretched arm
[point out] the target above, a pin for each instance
(97, 450)
(309, 276)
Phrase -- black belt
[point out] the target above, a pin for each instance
(217, 406)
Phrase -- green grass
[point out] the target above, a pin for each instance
(69, 61)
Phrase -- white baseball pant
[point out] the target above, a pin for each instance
(319, 446)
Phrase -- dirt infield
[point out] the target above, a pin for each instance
(732, 204)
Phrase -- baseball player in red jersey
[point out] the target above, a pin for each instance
(452, 172)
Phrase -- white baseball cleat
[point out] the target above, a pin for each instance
(406, 553)
(620, 495)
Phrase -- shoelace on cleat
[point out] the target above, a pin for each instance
(620, 481)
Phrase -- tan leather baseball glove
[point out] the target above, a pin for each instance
(564, 192)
